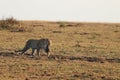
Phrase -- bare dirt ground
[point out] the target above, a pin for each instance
(79, 51)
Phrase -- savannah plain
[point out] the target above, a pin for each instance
(78, 51)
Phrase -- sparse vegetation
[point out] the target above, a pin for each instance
(62, 24)
(14, 25)
(22, 29)
(8, 23)
(87, 52)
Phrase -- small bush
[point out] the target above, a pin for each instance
(8, 23)
(62, 24)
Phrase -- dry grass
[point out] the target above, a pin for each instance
(79, 51)
(14, 25)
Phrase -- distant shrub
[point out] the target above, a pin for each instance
(8, 23)
(62, 24)
(14, 25)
